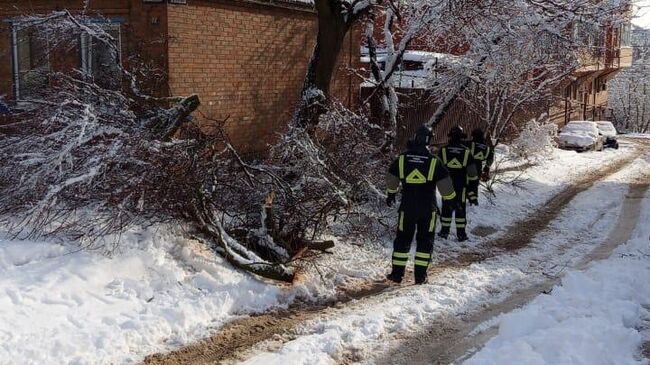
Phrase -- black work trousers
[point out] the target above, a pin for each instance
(454, 208)
(408, 224)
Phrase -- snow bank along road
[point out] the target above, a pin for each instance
(433, 323)
(600, 315)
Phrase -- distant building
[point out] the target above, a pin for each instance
(585, 96)
(246, 59)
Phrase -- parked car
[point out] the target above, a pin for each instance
(609, 133)
(581, 136)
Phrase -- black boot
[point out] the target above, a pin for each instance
(394, 278)
(462, 236)
(420, 273)
(444, 233)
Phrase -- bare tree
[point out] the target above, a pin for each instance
(516, 52)
(630, 90)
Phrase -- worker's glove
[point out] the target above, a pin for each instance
(473, 202)
(390, 199)
(485, 176)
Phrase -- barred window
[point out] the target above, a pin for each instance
(626, 35)
(31, 61)
(101, 57)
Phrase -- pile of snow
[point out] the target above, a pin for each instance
(537, 138)
(61, 306)
(591, 318)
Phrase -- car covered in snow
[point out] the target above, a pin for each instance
(581, 136)
(609, 133)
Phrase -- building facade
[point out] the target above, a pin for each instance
(585, 95)
(246, 59)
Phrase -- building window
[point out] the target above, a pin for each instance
(101, 58)
(626, 35)
(30, 60)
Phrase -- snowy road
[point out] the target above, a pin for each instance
(430, 324)
(461, 338)
(420, 324)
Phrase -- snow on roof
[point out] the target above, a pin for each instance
(410, 55)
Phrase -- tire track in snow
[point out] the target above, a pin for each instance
(234, 339)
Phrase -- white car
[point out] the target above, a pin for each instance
(581, 136)
(609, 133)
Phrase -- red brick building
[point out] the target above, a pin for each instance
(246, 59)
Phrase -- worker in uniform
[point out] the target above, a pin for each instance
(458, 160)
(483, 158)
(419, 173)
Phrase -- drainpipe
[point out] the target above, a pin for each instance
(16, 68)
(351, 56)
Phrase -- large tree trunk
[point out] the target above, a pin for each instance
(333, 26)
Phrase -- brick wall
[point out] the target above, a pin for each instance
(247, 63)
(144, 35)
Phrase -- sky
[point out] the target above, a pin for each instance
(642, 17)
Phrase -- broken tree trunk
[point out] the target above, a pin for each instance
(335, 18)
(179, 115)
(212, 231)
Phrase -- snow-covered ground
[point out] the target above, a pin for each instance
(354, 261)
(59, 306)
(597, 316)
(368, 329)
(62, 306)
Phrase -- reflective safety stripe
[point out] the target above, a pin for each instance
(416, 177)
(446, 219)
(473, 145)
(471, 194)
(432, 168)
(401, 255)
(466, 158)
(444, 155)
(399, 262)
(472, 178)
(462, 225)
(422, 255)
(392, 191)
(432, 224)
(454, 164)
(401, 221)
(446, 224)
(401, 167)
(463, 197)
(461, 220)
(450, 196)
(421, 263)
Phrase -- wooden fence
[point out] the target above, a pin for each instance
(417, 106)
